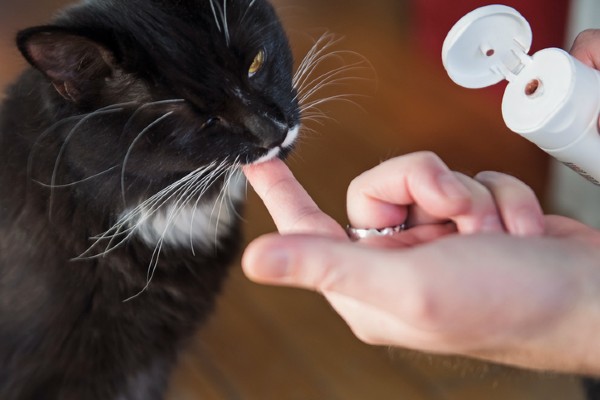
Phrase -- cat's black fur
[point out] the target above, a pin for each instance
(65, 332)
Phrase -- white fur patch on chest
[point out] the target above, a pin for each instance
(200, 225)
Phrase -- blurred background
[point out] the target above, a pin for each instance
(275, 343)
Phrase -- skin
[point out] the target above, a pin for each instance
(480, 273)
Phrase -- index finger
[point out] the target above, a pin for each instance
(382, 196)
(420, 189)
(292, 208)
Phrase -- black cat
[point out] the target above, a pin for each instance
(120, 155)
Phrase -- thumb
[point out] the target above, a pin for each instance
(321, 264)
(362, 284)
(382, 286)
(585, 48)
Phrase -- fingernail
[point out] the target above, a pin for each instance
(451, 186)
(528, 224)
(274, 265)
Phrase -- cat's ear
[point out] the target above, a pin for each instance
(72, 62)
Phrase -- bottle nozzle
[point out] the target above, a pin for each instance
(533, 88)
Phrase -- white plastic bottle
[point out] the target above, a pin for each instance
(551, 99)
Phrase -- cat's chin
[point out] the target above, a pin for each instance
(282, 150)
(271, 154)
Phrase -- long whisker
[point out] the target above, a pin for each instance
(246, 12)
(124, 228)
(314, 57)
(334, 77)
(182, 201)
(310, 85)
(214, 11)
(228, 173)
(130, 149)
(127, 225)
(221, 12)
(64, 147)
(197, 188)
(209, 183)
(148, 105)
(58, 124)
(224, 196)
(226, 23)
(89, 178)
(340, 97)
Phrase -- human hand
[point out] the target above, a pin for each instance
(517, 300)
(586, 48)
(417, 189)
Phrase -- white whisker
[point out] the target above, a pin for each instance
(64, 147)
(195, 191)
(89, 178)
(246, 12)
(129, 222)
(221, 12)
(221, 198)
(339, 97)
(226, 24)
(148, 105)
(214, 11)
(62, 122)
(195, 207)
(315, 56)
(130, 149)
(310, 84)
(334, 77)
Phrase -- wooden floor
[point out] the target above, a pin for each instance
(274, 343)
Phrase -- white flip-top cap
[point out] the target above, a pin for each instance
(486, 46)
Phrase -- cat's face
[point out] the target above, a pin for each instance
(170, 86)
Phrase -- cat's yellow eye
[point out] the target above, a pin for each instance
(257, 63)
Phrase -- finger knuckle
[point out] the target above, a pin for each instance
(355, 185)
(587, 34)
(428, 155)
(428, 159)
(305, 216)
(488, 175)
(499, 179)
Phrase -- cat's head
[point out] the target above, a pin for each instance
(169, 85)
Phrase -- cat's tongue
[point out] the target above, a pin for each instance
(291, 207)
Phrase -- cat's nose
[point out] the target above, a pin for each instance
(266, 132)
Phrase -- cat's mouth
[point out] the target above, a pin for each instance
(281, 150)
